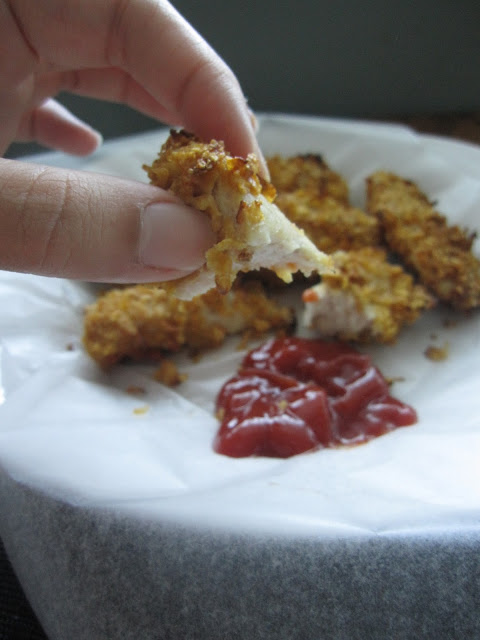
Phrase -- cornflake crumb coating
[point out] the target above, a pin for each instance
(367, 299)
(316, 199)
(330, 224)
(308, 172)
(439, 253)
(145, 322)
(251, 231)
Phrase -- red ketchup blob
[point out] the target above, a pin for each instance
(293, 395)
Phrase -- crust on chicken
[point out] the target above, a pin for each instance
(252, 233)
(315, 198)
(367, 299)
(330, 224)
(309, 172)
(144, 321)
(441, 255)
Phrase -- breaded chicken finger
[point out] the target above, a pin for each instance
(251, 231)
(330, 224)
(440, 254)
(309, 172)
(145, 322)
(367, 299)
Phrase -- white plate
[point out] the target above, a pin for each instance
(70, 431)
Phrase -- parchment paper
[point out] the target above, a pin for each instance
(74, 433)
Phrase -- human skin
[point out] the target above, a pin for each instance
(139, 52)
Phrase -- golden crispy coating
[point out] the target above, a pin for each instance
(439, 254)
(330, 224)
(145, 322)
(308, 172)
(251, 231)
(315, 198)
(132, 321)
(367, 299)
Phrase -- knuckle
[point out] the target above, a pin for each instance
(49, 220)
(22, 57)
(115, 42)
(206, 76)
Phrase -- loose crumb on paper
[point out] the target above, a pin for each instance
(168, 374)
(437, 354)
(140, 411)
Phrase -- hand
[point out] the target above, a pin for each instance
(140, 52)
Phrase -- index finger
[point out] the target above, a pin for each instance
(153, 43)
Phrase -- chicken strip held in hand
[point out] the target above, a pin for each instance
(252, 233)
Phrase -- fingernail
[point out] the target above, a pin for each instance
(174, 236)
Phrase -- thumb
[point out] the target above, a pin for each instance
(95, 227)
